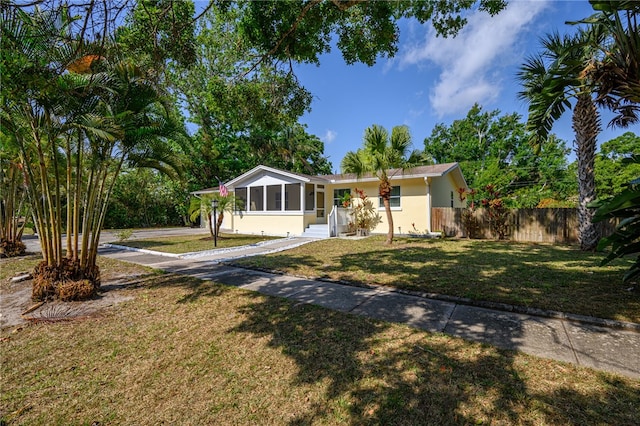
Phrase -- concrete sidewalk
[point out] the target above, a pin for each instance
(578, 342)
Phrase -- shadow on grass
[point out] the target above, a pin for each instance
(376, 373)
(546, 277)
(362, 371)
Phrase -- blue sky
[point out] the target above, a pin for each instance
(433, 80)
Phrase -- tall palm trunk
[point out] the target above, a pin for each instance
(586, 125)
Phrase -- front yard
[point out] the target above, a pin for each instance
(191, 243)
(543, 276)
(185, 351)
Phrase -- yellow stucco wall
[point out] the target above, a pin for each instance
(270, 224)
(413, 204)
(441, 190)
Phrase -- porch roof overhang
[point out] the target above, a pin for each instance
(248, 176)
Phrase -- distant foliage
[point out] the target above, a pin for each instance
(493, 149)
(625, 241)
(144, 198)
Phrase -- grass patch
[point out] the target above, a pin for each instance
(186, 351)
(536, 275)
(191, 243)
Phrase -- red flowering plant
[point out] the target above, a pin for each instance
(364, 213)
(498, 213)
(469, 221)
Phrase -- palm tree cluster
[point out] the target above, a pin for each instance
(76, 111)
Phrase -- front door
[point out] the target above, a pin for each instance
(320, 213)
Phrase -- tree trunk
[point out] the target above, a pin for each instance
(586, 125)
(219, 223)
(211, 224)
(385, 192)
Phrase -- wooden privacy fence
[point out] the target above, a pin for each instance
(533, 225)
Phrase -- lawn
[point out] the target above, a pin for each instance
(185, 351)
(560, 278)
(191, 243)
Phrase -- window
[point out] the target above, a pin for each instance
(274, 197)
(292, 196)
(338, 194)
(451, 198)
(256, 198)
(309, 199)
(394, 199)
(241, 199)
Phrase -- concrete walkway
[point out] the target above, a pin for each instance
(580, 342)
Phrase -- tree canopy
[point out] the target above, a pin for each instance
(493, 149)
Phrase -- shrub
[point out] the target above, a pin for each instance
(625, 240)
(123, 234)
(469, 221)
(498, 213)
(364, 213)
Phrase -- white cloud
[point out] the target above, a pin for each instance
(329, 136)
(467, 63)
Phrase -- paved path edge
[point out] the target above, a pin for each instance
(546, 313)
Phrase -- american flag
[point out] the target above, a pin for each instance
(223, 191)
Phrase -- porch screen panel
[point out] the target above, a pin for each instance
(274, 197)
(241, 199)
(309, 197)
(256, 198)
(292, 196)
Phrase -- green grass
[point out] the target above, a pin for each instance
(185, 351)
(191, 243)
(543, 276)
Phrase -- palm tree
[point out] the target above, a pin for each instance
(13, 206)
(379, 154)
(616, 76)
(74, 130)
(551, 81)
(226, 203)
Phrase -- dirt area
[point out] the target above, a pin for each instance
(15, 299)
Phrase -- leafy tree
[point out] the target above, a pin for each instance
(242, 114)
(302, 30)
(381, 153)
(292, 149)
(551, 80)
(159, 29)
(613, 173)
(143, 197)
(493, 149)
